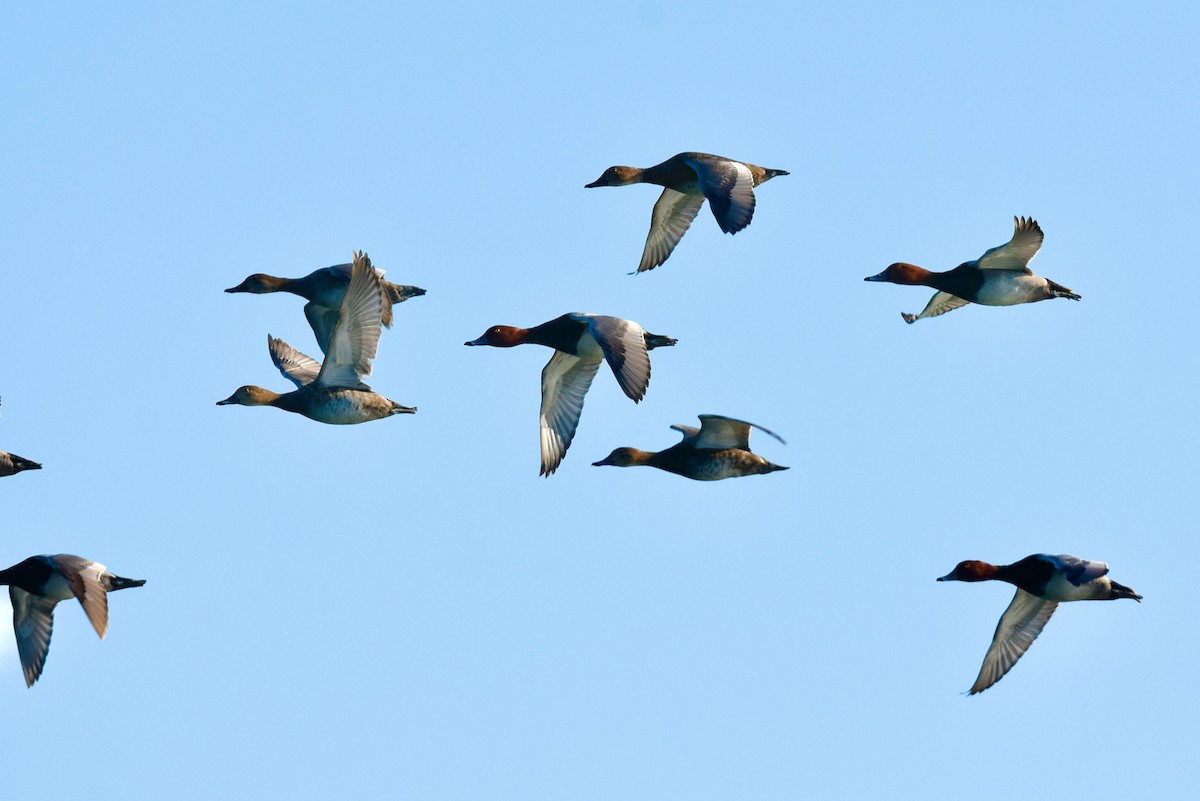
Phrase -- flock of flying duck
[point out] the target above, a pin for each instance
(349, 304)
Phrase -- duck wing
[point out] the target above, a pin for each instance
(33, 623)
(721, 433)
(1077, 571)
(1016, 253)
(1019, 626)
(729, 187)
(565, 382)
(940, 303)
(689, 432)
(670, 220)
(355, 338)
(624, 346)
(322, 319)
(295, 366)
(84, 576)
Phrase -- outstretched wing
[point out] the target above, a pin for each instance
(565, 382)
(355, 338)
(672, 216)
(624, 346)
(729, 187)
(1019, 626)
(322, 319)
(1016, 253)
(719, 433)
(295, 366)
(940, 303)
(84, 577)
(33, 623)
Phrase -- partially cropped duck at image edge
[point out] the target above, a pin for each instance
(36, 585)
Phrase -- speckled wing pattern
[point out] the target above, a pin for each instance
(565, 382)
(1017, 252)
(940, 303)
(355, 338)
(295, 366)
(1077, 571)
(1019, 626)
(624, 346)
(670, 220)
(33, 623)
(729, 187)
(720, 433)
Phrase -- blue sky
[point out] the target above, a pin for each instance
(403, 609)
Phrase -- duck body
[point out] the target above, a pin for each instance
(325, 289)
(11, 464)
(333, 391)
(1043, 582)
(581, 342)
(37, 584)
(719, 449)
(337, 406)
(1000, 277)
(688, 179)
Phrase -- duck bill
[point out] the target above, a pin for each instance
(481, 341)
(880, 277)
(231, 400)
(948, 576)
(606, 461)
(594, 184)
(239, 288)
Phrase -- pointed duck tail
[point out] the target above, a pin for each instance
(658, 341)
(1121, 591)
(1060, 291)
(20, 463)
(398, 293)
(121, 583)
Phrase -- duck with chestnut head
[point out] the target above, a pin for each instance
(1043, 582)
(1000, 277)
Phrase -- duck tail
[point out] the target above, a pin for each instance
(120, 583)
(658, 341)
(768, 174)
(1060, 291)
(1121, 591)
(398, 293)
(401, 409)
(772, 467)
(20, 463)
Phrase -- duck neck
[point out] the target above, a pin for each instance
(555, 333)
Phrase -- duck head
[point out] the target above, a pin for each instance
(250, 395)
(616, 176)
(623, 457)
(258, 284)
(500, 336)
(901, 273)
(970, 570)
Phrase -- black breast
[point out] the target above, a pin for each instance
(1030, 574)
